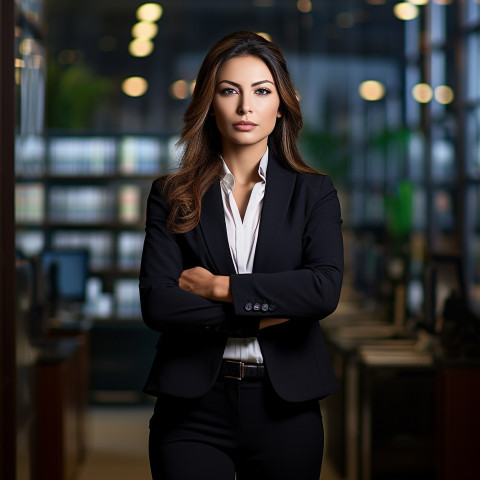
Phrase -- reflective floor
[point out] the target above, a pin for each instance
(117, 444)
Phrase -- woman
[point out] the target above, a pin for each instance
(243, 256)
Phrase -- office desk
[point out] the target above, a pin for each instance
(343, 412)
(396, 413)
(401, 413)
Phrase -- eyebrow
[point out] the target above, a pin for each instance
(239, 86)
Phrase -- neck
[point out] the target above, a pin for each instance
(243, 161)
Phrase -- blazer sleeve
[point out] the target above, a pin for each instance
(165, 306)
(313, 289)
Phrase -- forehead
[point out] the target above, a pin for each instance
(245, 68)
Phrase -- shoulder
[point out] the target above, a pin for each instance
(318, 192)
(159, 183)
(309, 186)
(158, 192)
(314, 180)
(161, 186)
(314, 185)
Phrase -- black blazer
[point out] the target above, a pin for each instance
(297, 274)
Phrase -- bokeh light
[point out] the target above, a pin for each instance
(304, 6)
(422, 93)
(145, 30)
(140, 47)
(405, 11)
(134, 86)
(444, 94)
(151, 12)
(371, 90)
(179, 90)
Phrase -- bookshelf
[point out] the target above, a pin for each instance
(90, 192)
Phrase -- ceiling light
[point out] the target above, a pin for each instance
(134, 86)
(151, 12)
(304, 6)
(144, 29)
(179, 90)
(444, 94)
(405, 11)
(140, 47)
(371, 90)
(422, 93)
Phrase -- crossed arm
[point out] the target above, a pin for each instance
(174, 298)
(200, 281)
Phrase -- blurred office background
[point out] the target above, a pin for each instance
(390, 93)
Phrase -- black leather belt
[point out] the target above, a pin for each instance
(234, 370)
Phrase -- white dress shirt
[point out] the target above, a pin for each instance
(242, 240)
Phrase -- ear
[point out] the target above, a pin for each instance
(279, 114)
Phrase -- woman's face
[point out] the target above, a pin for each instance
(246, 102)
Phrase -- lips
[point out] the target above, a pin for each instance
(244, 126)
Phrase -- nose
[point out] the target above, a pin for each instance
(244, 107)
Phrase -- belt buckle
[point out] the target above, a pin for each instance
(241, 370)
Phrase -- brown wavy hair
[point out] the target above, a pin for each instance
(201, 165)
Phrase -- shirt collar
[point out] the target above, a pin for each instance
(228, 180)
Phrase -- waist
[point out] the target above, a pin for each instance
(240, 371)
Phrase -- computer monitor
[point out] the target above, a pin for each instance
(66, 272)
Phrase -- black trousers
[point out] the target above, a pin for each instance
(238, 427)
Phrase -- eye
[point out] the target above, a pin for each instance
(263, 91)
(227, 91)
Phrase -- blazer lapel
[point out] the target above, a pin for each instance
(212, 225)
(278, 193)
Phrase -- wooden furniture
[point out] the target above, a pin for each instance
(396, 413)
(458, 421)
(62, 386)
(401, 412)
(381, 423)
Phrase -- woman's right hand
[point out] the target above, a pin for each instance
(270, 322)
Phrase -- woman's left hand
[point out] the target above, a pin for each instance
(200, 281)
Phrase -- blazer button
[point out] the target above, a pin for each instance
(257, 307)
(248, 307)
(272, 307)
(265, 307)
